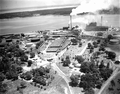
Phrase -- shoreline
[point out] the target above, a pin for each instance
(37, 8)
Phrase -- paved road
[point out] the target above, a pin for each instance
(55, 67)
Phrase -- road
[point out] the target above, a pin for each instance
(55, 67)
(84, 48)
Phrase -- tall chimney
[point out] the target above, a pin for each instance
(101, 20)
(70, 21)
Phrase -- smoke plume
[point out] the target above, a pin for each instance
(88, 10)
(93, 6)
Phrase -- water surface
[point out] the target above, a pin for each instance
(48, 22)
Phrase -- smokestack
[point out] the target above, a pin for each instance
(71, 21)
(101, 20)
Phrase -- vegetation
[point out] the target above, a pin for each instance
(66, 62)
(117, 62)
(93, 76)
(80, 59)
(95, 44)
(11, 58)
(29, 63)
(74, 80)
(110, 55)
(32, 55)
(26, 76)
(74, 41)
(61, 11)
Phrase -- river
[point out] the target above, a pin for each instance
(48, 22)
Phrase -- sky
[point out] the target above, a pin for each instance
(10, 4)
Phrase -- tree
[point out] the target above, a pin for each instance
(76, 32)
(99, 34)
(102, 48)
(112, 82)
(98, 41)
(95, 44)
(80, 59)
(32, 55)
(108, 65)
(89, 91)
(46, 37)
(67, 57)
(2, 77)
(117, 62)
(98, 84)
(40, 80)
(74, 41)
(85, 67)
(26, 76)
(19, 69)
(22, 35)
(39, 71)
(66, 62)
(24, 58)
(74, 80)
(84, 85)
(22, 84)
(29, 63)
(91, 50)
(3, 88)
(111, 55)
(12, 75)
(109, 37)
(80, 43)
(5, 64)
(47, 70)
(101, 65)
(95, 55)
(105, 73)
(0, 40)
(88, 81)
(89, 46)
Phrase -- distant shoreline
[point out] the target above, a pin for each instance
(36, 8)
(56, 10)
(47, 11)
